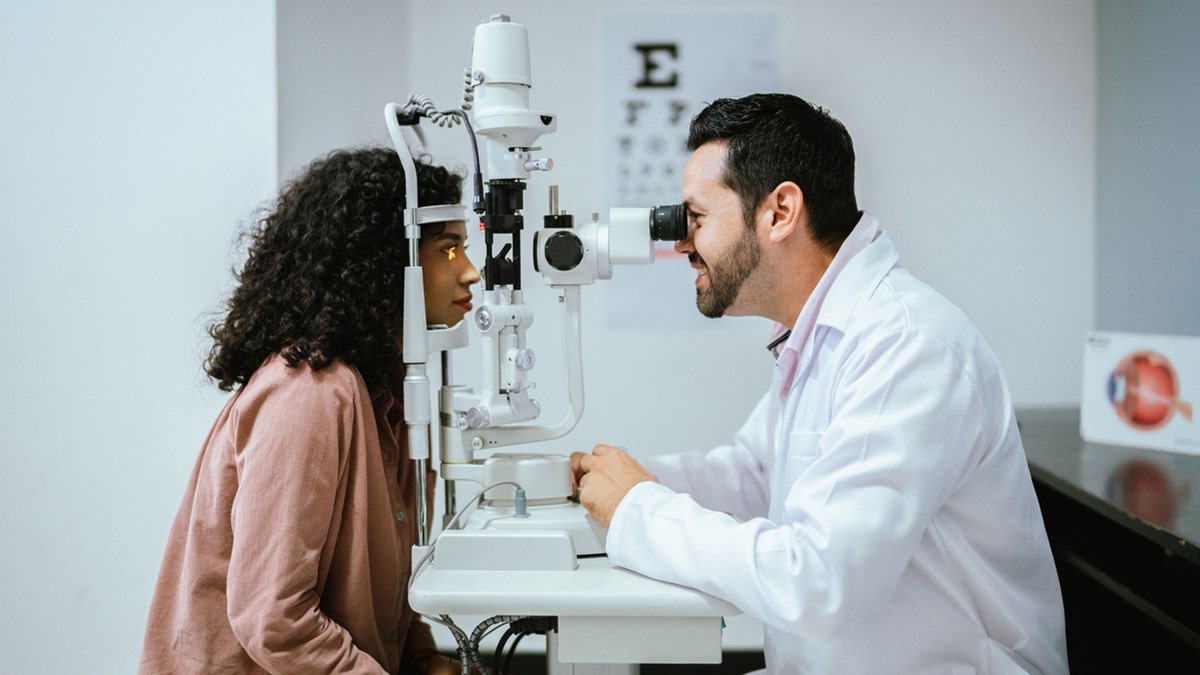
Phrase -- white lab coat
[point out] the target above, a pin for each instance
(875, 511)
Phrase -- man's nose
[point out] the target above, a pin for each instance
(684, 246)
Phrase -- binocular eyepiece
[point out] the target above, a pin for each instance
(573, 255)
(668, 223)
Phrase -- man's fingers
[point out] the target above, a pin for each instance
(576, 469)
(583, 463)
(602, 450)
(586, 462)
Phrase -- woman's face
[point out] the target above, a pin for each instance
(448, 274)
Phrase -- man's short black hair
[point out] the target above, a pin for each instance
(773, 138)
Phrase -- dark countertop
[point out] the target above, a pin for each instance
(1153, 493)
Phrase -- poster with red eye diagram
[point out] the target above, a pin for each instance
(1139, 390)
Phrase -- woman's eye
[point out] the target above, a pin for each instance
(451, 252)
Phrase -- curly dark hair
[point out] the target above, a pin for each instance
(324, 278)
(780, 137)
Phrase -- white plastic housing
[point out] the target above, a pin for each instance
(543, 477)
(623, 240)
(639, 639)
(500, 60)
(492, 550)
(501, 49)
(629, 239)
(587, 536)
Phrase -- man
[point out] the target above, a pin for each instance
(875, 511)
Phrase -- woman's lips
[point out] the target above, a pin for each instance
(465, 303)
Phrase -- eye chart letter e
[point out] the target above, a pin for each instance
(660, 68)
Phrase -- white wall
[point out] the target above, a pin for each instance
(137, 138)
(134, 138)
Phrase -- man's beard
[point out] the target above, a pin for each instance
(726, 278)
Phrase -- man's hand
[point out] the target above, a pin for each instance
(604, 478)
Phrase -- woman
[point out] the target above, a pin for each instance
(291, 550)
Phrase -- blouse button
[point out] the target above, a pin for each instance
(400, 516)
(392, 636)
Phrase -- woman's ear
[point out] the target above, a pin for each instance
(785, 206)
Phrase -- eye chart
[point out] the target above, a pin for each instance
(660, 69)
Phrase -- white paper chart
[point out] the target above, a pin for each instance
(660, 69)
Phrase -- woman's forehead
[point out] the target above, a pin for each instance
(449, 229)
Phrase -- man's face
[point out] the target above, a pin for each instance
(447, 274)
(722, 249)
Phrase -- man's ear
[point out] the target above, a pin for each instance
(785, 205)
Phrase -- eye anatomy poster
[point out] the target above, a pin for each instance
(1139, 390)
(660, 69)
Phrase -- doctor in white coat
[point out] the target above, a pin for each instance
(875, 511)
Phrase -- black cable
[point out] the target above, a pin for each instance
(477, 183)
(529, 625)
(511, 652)
(500, 650)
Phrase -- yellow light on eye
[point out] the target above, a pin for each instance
(451, 253)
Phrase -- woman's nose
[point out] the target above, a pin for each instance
(470, 274)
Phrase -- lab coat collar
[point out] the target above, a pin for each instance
(859, 265)
(861, 273)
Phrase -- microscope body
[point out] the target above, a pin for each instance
(524, 491)
(525, 546)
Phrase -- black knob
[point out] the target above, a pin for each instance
(564, 251)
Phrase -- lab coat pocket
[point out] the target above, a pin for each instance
(803, 448)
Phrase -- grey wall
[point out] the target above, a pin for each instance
(339, 64)
(1148, 167)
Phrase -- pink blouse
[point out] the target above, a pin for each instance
(291, 550)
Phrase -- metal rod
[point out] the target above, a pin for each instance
(422, 510)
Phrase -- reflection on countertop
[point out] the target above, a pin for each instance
(1157, 490)
(1124, 527)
